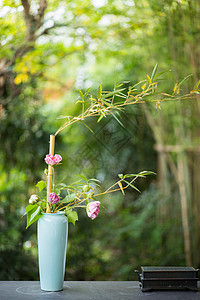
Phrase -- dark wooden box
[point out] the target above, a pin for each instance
(154, 278)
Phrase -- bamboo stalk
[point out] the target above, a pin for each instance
(184, 211)
(50, 171)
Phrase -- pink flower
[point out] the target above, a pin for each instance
(49, 159)
(57, 159)
(93, 209)
(53, 198)
(53, 160)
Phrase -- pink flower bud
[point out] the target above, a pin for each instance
(53, 198)
(93, 209)
(33, 199)
(53, 160)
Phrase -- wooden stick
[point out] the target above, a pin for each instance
(50, 171)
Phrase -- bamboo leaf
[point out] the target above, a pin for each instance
(120, 176)
(94, 179)
(144, 173)
(133, 175)
(184, 79)
(161, 73)
(154, 72)
(138, 83)
(143, 87)
(176, 88)
(148, 79)
(99, 92)
(100, 118)
(87, 126)
(197, 85)
(114, 116)
(132, 186)
(81, 94)
(121, 187)
(87, 92)
(113, 93)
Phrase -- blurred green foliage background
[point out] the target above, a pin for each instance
(49, 50)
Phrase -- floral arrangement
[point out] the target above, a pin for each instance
(82, 194)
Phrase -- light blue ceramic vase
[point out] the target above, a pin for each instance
(52, 247)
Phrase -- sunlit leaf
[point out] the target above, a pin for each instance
(144, 173)
(81, 94)
(68, 198)
(99, 92)
(72, 215)
(197, 85)
(31, 207)
(113, 93)
(143, 86)
(154, 72)
(33, 215)
(121, 187)
(184, 79)
(161, 73)
(87, 126)
(41, 185)
(132, 186)
(120, 176)
(148, 78)
(100, 118)
(114, 116)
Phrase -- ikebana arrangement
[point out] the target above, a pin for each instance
(57, 204)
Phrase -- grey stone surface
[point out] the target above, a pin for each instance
(89, 290)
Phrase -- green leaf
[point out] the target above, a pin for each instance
(161, 73)
(81, 94)
(120, 176)
(148, 79)
(114, 116)
(33, 215)
(154, 72)
(87, 126)
(94, 179)
(85, 95)
(138, 83)
(197, 85)
(99, 92)
(72, 216)
(113, 93)
(144, 173)
(68, 198)
(133, 175)
(100, 118)
(121, 187)
(185, 79)
(141, 174)
(62, 185)
(30, 207)
(41, 185)
(132, 186)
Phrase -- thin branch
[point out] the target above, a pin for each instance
(41, 11)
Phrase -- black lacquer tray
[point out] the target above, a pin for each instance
(154, 278)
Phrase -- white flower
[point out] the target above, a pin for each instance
(33, 199)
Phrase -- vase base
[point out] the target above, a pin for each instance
(52, 290)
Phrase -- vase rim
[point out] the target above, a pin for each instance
(54, 214)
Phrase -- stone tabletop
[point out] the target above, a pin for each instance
(89, 290)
